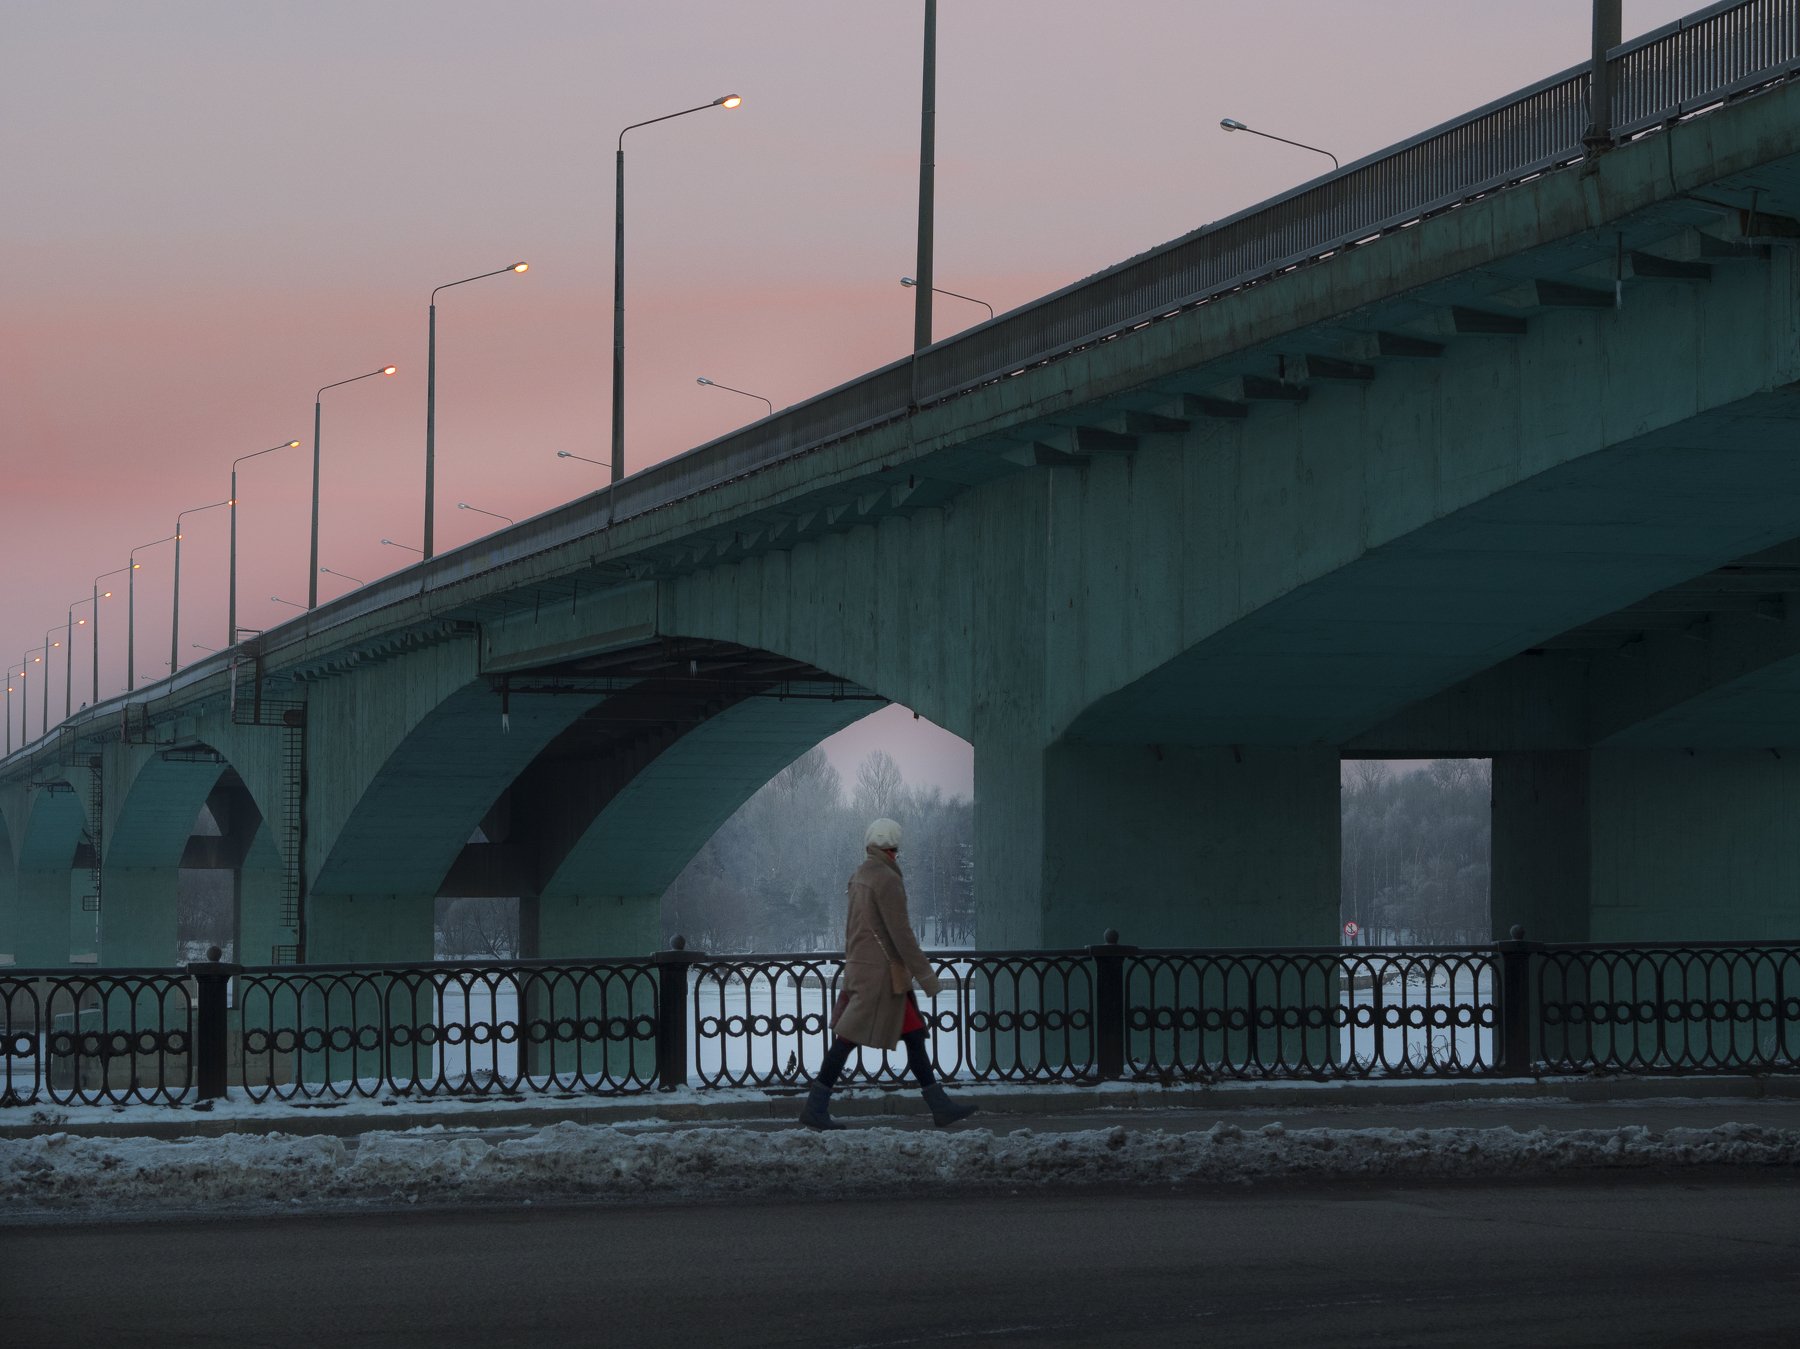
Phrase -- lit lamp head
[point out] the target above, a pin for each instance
(386, 370)
(727, 101)
(521, 267)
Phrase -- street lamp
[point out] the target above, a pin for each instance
(714, 384)
(175, 604)
(431, 395)
(69, 664)
(131, 612)
(618, 364)
(231, 602)
(1232, 124)
(407, 546)
(465, 506)
(342, 576)
(26, 660)
(98, 596)
(909, 282)
(564, 454)
(44, 728)
(10, 676)
(312, 580)
(276, 599)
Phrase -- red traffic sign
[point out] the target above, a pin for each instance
(1351, 929)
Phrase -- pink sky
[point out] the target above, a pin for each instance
(212, 208)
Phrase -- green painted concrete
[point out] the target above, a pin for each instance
(1157, 655)
(1622, 845)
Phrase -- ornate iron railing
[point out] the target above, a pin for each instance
(318, 1034)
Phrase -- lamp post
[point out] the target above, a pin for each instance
(564, 454)
(69, 664)
(465, 506)
(9, 693)
(312, 580)
(714, 384)
(391, 543)
(98, 596)
(131, 613)
(44, 727)
(618, 362)
(927, 177)
(342, 576)
(909, 282)
(431, 396)
(175, 604)
(1232, 124)
(231, 601)
(25, 663)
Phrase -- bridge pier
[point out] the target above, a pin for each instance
(1647, 844)
(1171, 844)
(368, 929)
(43, 915)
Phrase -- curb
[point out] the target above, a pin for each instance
(898, 1103)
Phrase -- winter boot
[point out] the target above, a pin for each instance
(944, 1110)
(816, 1114)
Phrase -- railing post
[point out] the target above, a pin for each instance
(672, 1013)
(1109, 1005)
(1513, 1019)
(212, 982)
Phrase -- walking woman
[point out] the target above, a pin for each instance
(876, 1008)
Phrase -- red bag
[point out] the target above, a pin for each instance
(914, 1021)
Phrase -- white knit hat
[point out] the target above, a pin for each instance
(883, 833)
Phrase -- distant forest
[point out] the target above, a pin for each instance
(1416, 852)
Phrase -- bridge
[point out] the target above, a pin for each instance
(1483, 445)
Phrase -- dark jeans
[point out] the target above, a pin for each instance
(917, 1059)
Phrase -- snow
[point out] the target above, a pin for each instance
(61, 1174)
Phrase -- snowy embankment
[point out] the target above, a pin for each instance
(61, 1173)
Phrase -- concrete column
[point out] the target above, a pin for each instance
(587, 927)
(38, 920)
(1171, 845)
(1647, 845)
(364, 929)
(1540, 869)
(137, 924)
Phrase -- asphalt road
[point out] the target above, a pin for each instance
(1708, 1260)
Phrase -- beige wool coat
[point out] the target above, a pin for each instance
(877, 934)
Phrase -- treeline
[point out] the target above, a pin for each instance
(1416, 852)
(772, 878)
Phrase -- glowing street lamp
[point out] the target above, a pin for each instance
(618, 362)
(714, 384)
(175, 609)
(908, 282)
(312, 580)
(131, 612)
(431, 397)
(231, 602)
(1232, 124)
(98, 596)
(69, 664)
(44, 727)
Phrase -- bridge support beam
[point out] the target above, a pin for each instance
(1177, 845)
(1647, 844)
(43, 918)
(138, 926)
(626, 926)
(360, 929)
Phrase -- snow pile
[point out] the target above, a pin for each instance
(64, 1173)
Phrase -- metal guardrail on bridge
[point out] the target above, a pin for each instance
(488, 1029)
